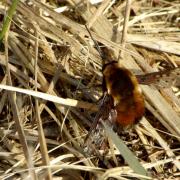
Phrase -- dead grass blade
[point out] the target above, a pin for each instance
(66, 86)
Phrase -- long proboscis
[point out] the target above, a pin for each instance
(95, 43)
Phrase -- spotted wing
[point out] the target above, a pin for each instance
(96, 136)
(161, 79)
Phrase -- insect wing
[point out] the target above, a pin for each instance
(96, 134)
(161, 79)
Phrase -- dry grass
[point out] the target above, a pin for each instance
(52, 53)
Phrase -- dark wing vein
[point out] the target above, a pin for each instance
(161, 79)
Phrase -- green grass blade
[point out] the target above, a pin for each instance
(8, 18)
(129, 157)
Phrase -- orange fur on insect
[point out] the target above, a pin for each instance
(123, 86)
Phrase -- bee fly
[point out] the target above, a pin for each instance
(124, 89)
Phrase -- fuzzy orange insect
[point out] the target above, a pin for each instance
(123, 86)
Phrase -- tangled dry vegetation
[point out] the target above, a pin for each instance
(50, 50)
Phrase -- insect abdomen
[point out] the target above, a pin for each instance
(123, 86)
